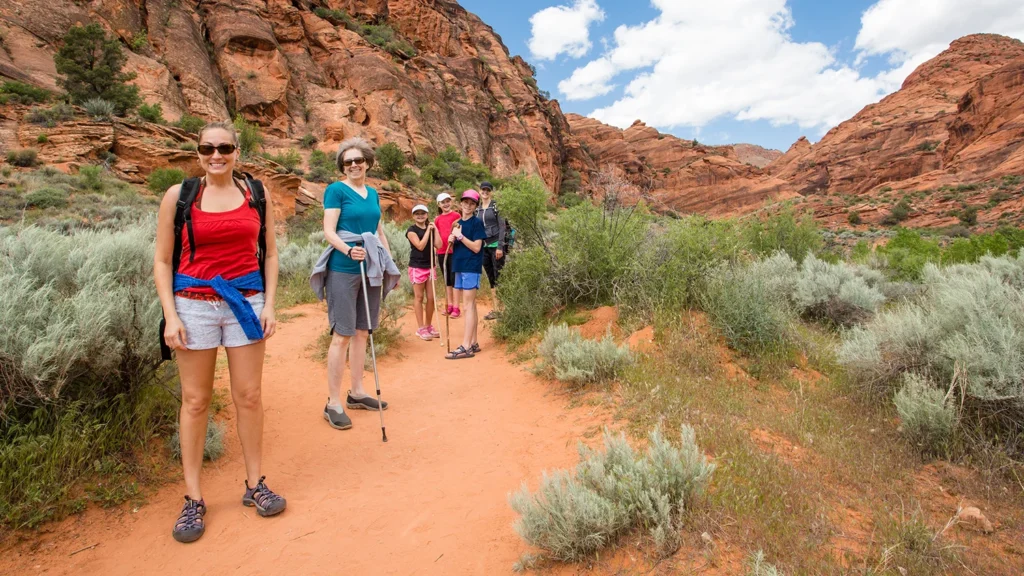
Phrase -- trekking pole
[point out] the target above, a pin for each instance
(447, 315)
(433, 280)
(373, 352)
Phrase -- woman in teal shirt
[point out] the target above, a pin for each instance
(352, 206)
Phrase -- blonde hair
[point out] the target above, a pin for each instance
(225, 126)
(354, 144)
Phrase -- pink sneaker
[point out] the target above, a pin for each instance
(456, 312)
(424, 333)
(433, 331)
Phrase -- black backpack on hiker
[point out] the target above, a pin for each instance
(183, 220)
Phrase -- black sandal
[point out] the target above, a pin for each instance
(475, 348)
(190, 526)
(263, 499)
(459, 353)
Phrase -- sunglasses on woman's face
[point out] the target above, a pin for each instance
(350, 161)
(208, 149)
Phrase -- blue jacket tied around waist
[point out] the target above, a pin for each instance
(229, 290)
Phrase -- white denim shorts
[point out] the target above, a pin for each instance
(213, 324)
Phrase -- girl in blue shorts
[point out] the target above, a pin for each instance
(467, 237)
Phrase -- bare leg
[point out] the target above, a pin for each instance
(469, 338)
(245, 364)
(336, 367)
(417, 303)
(429, 309)
(195, 368)
(356, 361)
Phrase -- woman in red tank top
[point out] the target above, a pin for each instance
(218, 297)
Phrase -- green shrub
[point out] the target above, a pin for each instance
(572, 516)
(337, 17)
(152, 113)
(190, 124)
(925, 416)
(188, 146)
(450, 166)
(409, 178)
(21, 93)
(42, 139)
(853, 218)
(307, 142)
(840, 294)
(51, 116)
(99, 109)
(524, 200)
(525, 293)
(91, 177)
(25, 157)
(250, 140)
(383, 36)
(569, 357)
(744, 302)
(161, 179)
(213, 447)
(289, 159)
(907, 253)
(89, 64)
(970, 250)
(321, 168)
(46, 198)
(784, 231)
(968, 216)
(390, 159)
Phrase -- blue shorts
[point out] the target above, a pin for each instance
(467, 281)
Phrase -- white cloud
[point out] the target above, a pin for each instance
(699, 61)
(563, 30)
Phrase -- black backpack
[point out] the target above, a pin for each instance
(183, 220)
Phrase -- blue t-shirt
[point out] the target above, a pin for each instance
(463, 259)
(358, 215)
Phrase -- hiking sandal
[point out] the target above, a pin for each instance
(475, 348)
(459, 353)
(364, 403)
(263, 499)
(190, 525)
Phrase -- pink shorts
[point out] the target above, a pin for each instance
(420, 275)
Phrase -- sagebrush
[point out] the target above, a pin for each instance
(568, 356)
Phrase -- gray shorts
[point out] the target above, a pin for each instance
(346, 310)
(212, 324)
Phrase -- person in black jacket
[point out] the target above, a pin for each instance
(495, 243)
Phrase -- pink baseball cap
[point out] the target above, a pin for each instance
(472, 195)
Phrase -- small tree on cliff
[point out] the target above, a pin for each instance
(90, 64)
(390, 159)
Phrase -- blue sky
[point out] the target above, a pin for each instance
(758, 71)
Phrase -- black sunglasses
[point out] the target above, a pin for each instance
(360, 161)
(224, 149)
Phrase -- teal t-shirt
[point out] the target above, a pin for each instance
(358, 215)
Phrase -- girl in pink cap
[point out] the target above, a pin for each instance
(467, 237)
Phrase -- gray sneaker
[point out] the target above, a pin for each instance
(337, 418)
(364, 403)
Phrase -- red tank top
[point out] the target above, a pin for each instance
(226, 243)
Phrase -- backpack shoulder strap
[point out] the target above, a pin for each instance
(258, 200)
(183, 218)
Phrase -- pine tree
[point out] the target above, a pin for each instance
(90, 64)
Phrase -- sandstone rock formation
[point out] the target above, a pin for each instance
(279, 64)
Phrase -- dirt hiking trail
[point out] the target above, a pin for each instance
(462, 435)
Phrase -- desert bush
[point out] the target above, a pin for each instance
(672, 269)
(449, 167)
(574, 515)
(46, 198)
(569, 357)
(289, 159)
(152, 113)
(89, 64)
(213, 447)
(51, 116)
(390, 159)
(784, 230)
(250, 140)
(969, 250)
(296, 259)
(927, 419)
(400, 248)
(91, 177)
(525, 292)
(188, 146)
(321, 168)
(758, 566)
(968, 216)
(42, 139)
(25, 157)
(99, 109)
(21, 93)
(307, 142)
(967, 327)
(190, 124)
(840, 294)
(748, 306)
(409, 178)
(853, 218)
(906, 254)
(161, 179)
